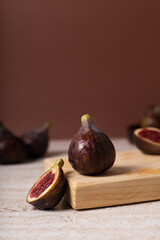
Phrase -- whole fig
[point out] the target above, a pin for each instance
(151, 117)
(154, 110)
(4, 131)
(12, 150)
(37, 141)
(91, 152)
(150, 121)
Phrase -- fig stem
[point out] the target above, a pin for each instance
(86, 119)
(47, 125)
(59, 163)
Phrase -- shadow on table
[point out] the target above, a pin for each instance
(118, 170)
(54, 154)
(62, 206)
(47, 155)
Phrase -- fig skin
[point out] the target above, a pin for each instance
(145, 145)
(4, 131)
(91, 152)
(37, 141)
(154, 110)
(12, 150)
(151, 117)
(54, 195)
(150, 121)
(130, 131)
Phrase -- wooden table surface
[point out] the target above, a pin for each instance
(19, 220)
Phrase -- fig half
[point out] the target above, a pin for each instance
(48, 191)
(148, 140)
(91, 152)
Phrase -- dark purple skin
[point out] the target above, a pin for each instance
(4, 131)
(154, 110)
(12, 150)
(151, 117)
(36, 142)
(130, 131)
(150, 121)
(91, 152)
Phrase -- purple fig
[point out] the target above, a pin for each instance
(150, 121)
(91, 152)
(4, 131)
(37, 141)
(12, 150)
(151, 117)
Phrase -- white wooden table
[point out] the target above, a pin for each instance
(19, 220)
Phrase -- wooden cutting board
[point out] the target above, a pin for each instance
(135, 177)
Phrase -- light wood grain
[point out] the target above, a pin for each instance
(135, 177)
(20, 221)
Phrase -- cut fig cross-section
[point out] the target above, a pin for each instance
(48, 191)
(148, 140)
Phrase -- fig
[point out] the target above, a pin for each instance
(151, 117)
(154, 110)
(150, 121)
(130, 131)
(91, 152)
(12, 150)
(4, 131)
(37, 141)
(148, 140)
(48, 191)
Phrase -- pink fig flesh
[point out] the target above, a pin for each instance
(148, 140)
(48, 191)
(45, 182)
(150, 135)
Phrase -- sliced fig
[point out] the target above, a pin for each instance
(91, 152)
(148, 140)
(37, 141)
(48, 191)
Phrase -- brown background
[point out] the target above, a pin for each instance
(63, 58)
